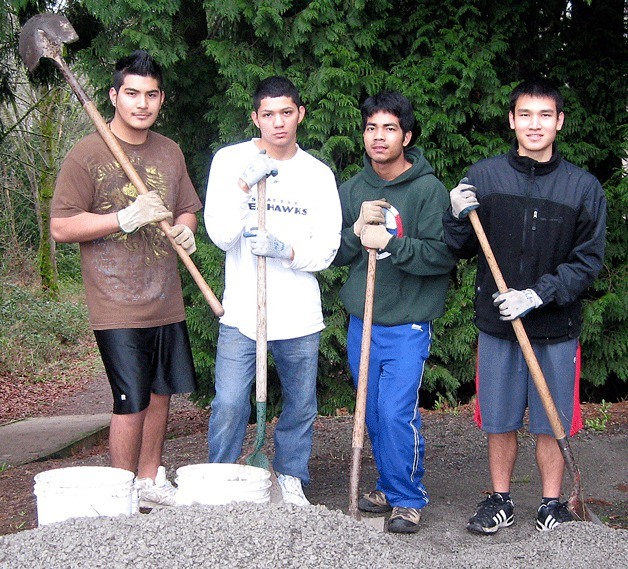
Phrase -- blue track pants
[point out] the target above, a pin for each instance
(396, 364)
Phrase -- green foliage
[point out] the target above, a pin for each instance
(335, 385)
(599, 423)
(319, 46)
(37, 120)
(202, 323)
(452, 358)
(35, 330)
(605, 333)
(68, 262)
(450, 77)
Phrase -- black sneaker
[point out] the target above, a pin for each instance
(374, 502)
(404, 520)
(552, 514)
(492, 514)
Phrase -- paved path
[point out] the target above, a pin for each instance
(60, 436)
(80, 421)
(42, 438)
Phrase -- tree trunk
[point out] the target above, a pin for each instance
(43, 192)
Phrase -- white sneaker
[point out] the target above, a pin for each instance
(159, 492)
(135, 499)
(291, 490)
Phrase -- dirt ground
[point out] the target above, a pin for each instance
(456, 469)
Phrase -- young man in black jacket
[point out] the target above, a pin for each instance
(545, 220)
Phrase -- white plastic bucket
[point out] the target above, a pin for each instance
(82, 492)
(219, 483)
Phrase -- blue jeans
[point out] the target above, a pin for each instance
(296, 361)
(393, 418)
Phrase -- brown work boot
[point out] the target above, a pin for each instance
(404, 520)
(374, 502)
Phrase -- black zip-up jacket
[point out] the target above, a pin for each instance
(546, 223)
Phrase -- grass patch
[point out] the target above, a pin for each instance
(525, 479)
(600, 422)
(447, 404)
(37, 332)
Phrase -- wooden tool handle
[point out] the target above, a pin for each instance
(365, 351)
(261, 346)
(359, 415)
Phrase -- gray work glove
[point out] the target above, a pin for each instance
(516, 303)
(463, 199)
(264, 244)
(184, 237)
(375, 236)
(371, 212)
(260, 167)
(147, 208)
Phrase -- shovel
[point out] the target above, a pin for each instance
(43, 36)
(576, 502)
(257, 457)
(360, 400)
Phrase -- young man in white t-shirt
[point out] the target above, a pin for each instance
(302, 235)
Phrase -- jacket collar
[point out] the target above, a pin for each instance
(525, 164)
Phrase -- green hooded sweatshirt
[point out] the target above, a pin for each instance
(411, 282)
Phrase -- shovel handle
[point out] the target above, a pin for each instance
(112, 142)
(359, 415)
(261, 344)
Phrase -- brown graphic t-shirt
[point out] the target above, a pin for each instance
(131, 280)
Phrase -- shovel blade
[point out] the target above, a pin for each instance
(257, 457)
(43, 36)
(579, 509)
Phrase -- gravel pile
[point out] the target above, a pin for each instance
(281, 535)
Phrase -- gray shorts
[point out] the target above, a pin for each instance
(141, 361)
(505, 387)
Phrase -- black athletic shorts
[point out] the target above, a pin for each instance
(141, 361)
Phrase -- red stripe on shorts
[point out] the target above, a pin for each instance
(576, 417)
(477, 414)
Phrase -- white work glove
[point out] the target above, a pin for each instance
(516, 303)
(260, 167)
(184, 237)
(264, 244)
(147, 208)
(375, 236)
(370, 212)
(463, 199)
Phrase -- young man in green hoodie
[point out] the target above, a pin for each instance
(395, 205)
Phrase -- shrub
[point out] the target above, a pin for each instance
(35, 330)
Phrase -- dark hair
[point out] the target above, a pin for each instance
(537, 88)
(275, 87)
(389, 102)
(141, 63)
